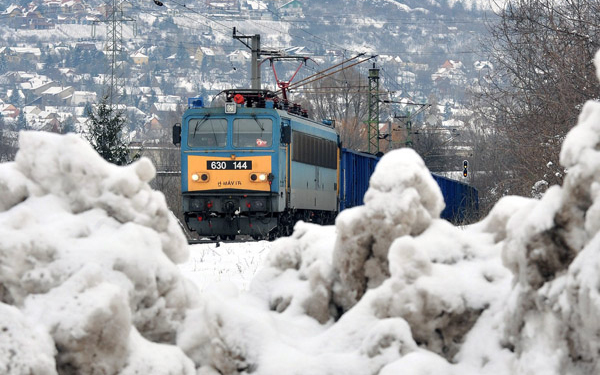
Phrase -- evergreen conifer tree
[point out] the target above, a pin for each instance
(21, 122)
(105, 133)
(68, 126)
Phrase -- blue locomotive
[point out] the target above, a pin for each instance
(256, 166)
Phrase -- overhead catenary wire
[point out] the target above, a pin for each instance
(325, 70)
(299, 84)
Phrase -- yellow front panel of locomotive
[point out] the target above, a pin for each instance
(228, 178)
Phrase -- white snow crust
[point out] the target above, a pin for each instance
(89, 282)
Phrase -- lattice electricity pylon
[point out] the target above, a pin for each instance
(113, 81)
(373, 121)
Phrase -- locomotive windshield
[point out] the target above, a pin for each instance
(252, 132)
(207, 132)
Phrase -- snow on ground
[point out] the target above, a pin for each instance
(89, 282)
(228, 262)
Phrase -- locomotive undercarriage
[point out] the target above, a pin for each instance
(224, 216)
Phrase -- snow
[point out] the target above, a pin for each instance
(235, 263)
(89, 280)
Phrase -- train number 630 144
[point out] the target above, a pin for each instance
(228, 164)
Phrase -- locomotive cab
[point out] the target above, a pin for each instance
(229, 164)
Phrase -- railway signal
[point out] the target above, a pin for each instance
(465, 167)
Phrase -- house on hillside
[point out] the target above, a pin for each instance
(204, 54)
(223, 6)
(139, 58)
(73, 7)
(450, 69)
(34, 20)
(239, 57)
(12, 11)
(9, 55)
(448, 77)
(154, 129)
(13, 16)
(9, 111)
(83, 97)
(38, 85)
(32, 54)
(53, 125)
(57, 96)
(32, 110)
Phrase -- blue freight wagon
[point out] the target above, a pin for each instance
(462, 200)
(356, 168)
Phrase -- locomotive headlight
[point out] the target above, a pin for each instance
(259, 177)
(230, 108)
(200, 177)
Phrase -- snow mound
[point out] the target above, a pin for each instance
(87, 251)
(25, 348)
(552, 249)
(402, 199)
(300, 316)
(394, 289)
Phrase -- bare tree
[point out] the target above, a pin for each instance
(342, 97)
(167, 160)
(543, 52)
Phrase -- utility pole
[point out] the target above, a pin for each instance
(254, 47)
(373, 121)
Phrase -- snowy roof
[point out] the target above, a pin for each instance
(257, 4)
(11, 8)
(31, 109)
(240, 53)
(453, 123)
(207, 51)
(166, 107)
(24, 50)
(169, 99)
(478, 65)
(55, 90)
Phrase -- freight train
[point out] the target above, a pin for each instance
(256, 165)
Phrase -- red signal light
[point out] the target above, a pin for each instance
(239, 99)
(209, 205)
